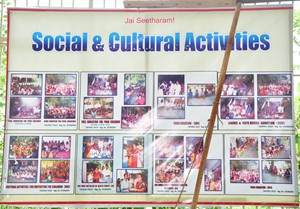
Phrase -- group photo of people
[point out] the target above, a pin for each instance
(213, 175)
(60, 108)
(25, 107)
(169, 171)
(23, 147)
(194, 149)
(134, 181)
(274, 147)
(200, 94)
(98, 108)
(97, 171)
(170, 84)
(57, 147)
(133, 152)
(238, 85)
(22, 171)
(244, 147)
(274, 84)
(244, 171)
(61, 85)
(102, 84)
(136, 118)
(101, 147)
(274, 107)
(134, 89)
(55, 171)
(277, 171)
(237, 108)
(26, 84)
(170, 107)
(169, 146)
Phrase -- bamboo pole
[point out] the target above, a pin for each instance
(214, 111)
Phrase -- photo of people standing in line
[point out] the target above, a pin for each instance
(170, 85)
(133, 152)
(134, 89)
(61, 85)
(244, 147)
(213, 175)
(274, 85)
(132, 181)
(277, 172)
(274, 108)
(244, 171)
(98, 108)
(200, 94)
(194, 149)
(274, 147)
(26, 84)
(23, 147)
(97, 171)
(238, 85)
(98, 147)
(102, 84)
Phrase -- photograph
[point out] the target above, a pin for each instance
(134, 89)
(170, 84)
(237, 108)
(55, 171)
(274, 108)
(61, 85)
(133, 152)
(200, 94)
(194, 149)
(169, 171)
(98, 108)
(244, 171)
(244, 147)
(274, 147)
(25, 108)
(26, 84)
(22, 171)
(132, 181)
(170, 107)
(238, 85)
(56, 147)
(213, 175)
(102, 84)
(97, 171)
(274, 85)
(23, 147)
(60, 108)
(136, 118)
(101, 147)
(169, 146)
(277, 172)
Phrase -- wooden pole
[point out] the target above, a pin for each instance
(214, 111)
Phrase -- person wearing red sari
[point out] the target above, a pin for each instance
(134, 154)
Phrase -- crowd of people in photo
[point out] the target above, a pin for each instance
(272, 89)
(25, 89)
(56, 149)
(170, 87)
(22, 173)
(60, 89)
(131, 183)
(97, 175)
(213, 181)
(244, 175)
(170, 171)
(136, 117)
(60, 112)
(202, 94)
(273, 146)
(135, 94)
(105, 85)
(133, 155)
(273, 110)
(236, 88)
(237, 109)
(99, 112)
(21, 149)
(169, 148)
(98, 149)
(242, 144)
(278, 172)
(55, 172)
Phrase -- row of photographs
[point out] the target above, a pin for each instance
(125, 100)
(147, 164)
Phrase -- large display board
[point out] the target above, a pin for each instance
(111, 107)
